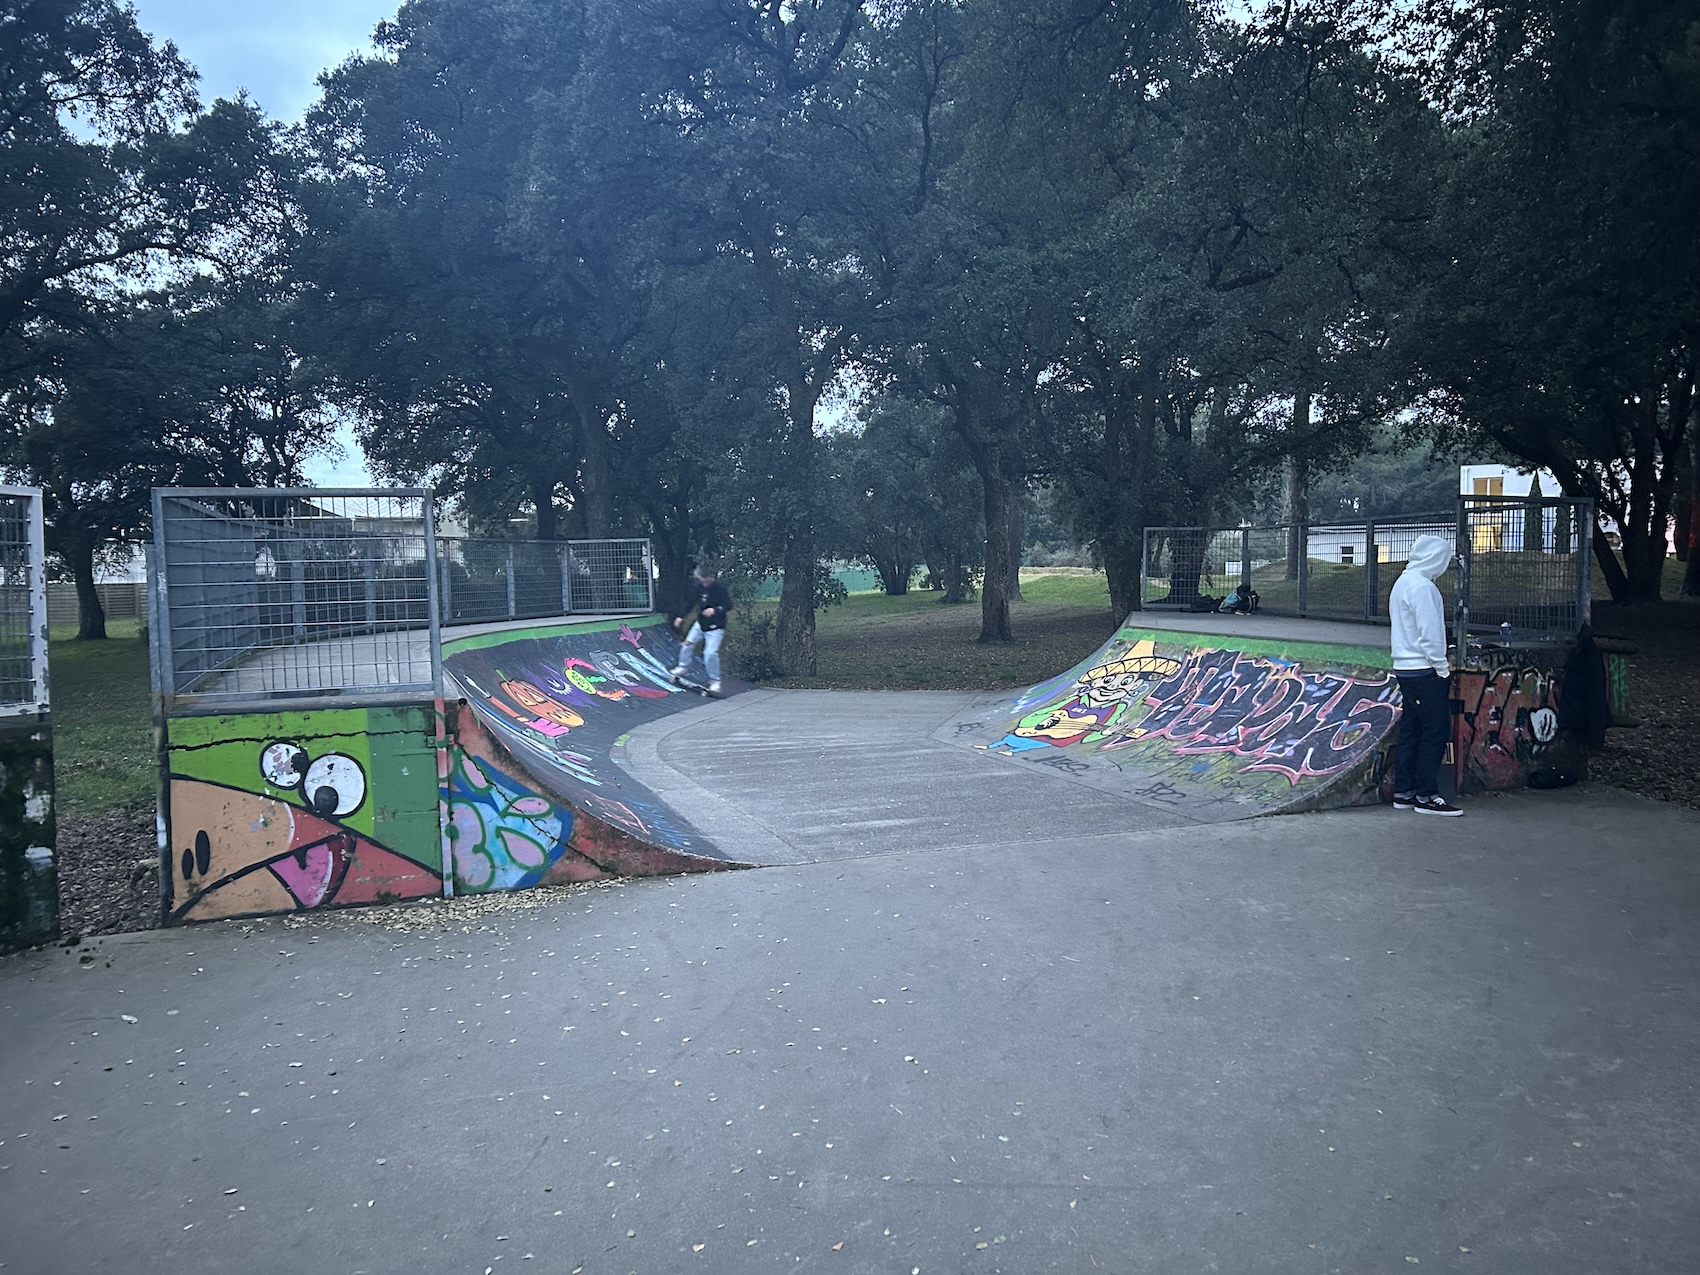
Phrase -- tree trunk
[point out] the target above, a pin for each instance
(994, 588)
(1616, 581)
(1298, 485)
(672, 548)
(1688, 534)
(597, 479)
(91, 616)
(1017, 534)
(1186, 565)
(1123, 570)
(894, 566)
(794, 632)
(955, 586)
(543, 500)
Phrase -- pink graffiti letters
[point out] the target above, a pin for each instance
(1270, 711)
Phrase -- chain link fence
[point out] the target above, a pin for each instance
(1523, 563)
(308, 594)
(23, 604)
(483, 581)
(301, 594)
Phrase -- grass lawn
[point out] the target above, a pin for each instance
(103, 751)
(914, 642)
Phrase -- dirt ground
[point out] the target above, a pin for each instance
(108, 877)
(1660, 757)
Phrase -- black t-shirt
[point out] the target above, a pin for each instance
(712, 594)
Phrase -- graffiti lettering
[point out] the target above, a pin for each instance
(1271, 711)
(1509, 720)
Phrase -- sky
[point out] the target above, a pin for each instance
(275, 49)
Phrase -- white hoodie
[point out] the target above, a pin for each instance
(1418, 614)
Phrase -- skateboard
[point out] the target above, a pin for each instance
(690, 683)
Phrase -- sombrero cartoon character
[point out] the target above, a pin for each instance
(298, 835)
(1095, 702)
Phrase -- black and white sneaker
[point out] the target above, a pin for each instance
(1436, 805)
(1404, 800)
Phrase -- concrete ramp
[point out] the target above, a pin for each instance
(1208, 726)
(549, 707)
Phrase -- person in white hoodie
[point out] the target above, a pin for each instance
(1420, 664)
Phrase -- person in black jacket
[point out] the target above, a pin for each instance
(712, 604)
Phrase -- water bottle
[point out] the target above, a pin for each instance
(1505, 630)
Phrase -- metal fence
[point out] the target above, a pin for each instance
(491, 580)
(1527, 564)
(23, 603)
(293, 594)
(1523, 562)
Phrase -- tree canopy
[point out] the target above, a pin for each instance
(776, 283)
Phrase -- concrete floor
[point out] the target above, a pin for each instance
(804, 776)
(1008, 1031)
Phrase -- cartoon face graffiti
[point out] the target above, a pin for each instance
(236, 852)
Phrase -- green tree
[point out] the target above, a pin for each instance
(108, 167)
(1563, 313)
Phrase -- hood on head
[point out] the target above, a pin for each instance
(1430, 555)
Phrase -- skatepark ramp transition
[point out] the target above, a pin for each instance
(503, 782)
(1209, 726)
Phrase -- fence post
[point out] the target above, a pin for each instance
(1372, 576)
(1245, 562)
(298, 591)
(1461, 609)
(445, 595)
(1585, 563)
(37, 585)
(567, 578)
(1144, 563)
(1303, 540)
(511, 595)
(369, 572)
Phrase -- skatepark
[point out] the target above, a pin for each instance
(1001, 982)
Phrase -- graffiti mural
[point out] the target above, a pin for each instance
(1188, 723)
(500, 835)
(1271, 713)
(1509, 722)
(277, 812)
(557, 700)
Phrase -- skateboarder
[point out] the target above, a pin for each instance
(712, 604)
(1420, 664)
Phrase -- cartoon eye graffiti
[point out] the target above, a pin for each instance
(334, 785)
(283, 764)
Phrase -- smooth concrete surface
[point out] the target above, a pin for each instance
(801, 776)
(1355, 1042)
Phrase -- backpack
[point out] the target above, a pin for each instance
(1241, 601)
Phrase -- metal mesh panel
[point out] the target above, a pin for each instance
(609, 576)
(1528, 564)
(492, 580)
(285, 594)
(1184, 563)
(23, 649)
(1393, 540)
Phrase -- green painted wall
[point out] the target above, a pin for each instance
(392, 747)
